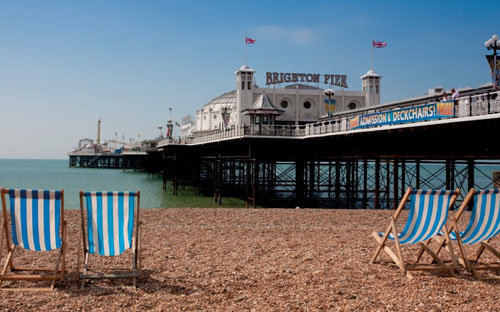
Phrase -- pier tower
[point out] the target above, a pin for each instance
(244, 92)
(371, 87)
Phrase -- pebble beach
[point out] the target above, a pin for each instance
(255, 260)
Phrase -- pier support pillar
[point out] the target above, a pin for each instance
(299, 181)
(377, 183)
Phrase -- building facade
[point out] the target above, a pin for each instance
(301, 103)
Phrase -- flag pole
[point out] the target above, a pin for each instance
(371, 58)
(245, 55)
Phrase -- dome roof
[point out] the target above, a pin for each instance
(370, 73)
(245, 69)
(227, 100)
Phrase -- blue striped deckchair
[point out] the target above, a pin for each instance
(484, 224)
(107, 230)
(36, 224)
(427, 216)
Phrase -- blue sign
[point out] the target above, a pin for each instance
(417, 113)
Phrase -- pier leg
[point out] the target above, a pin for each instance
(417, 169)
(299, 181)
(395, 184)
(365, 183)
(337, 183)
(377, 183)
(470, 179)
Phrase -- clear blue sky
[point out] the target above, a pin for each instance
(64, 64)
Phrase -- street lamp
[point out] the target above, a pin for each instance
(170, 128)
(160, 127)
(225, 116)
(329, 93)
(493, 44)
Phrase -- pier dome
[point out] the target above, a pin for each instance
(226, 100)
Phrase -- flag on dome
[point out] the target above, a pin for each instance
(379, 44)
(249, 40)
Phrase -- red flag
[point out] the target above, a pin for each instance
(249, 40)
(379, 44)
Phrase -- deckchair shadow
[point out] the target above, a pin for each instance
(110, 224)
(37, 224)
(483, 226)
(427, 216)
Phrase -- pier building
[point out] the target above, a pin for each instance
(281, 146)
(298, 95)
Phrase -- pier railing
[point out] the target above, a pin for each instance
(466, 106)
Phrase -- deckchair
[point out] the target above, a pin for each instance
(107, 229)
(484, 225)
(37, 224)
(427, 216)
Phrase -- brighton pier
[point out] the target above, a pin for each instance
(319, 148)
(334, 162)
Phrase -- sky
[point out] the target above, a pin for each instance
(65, 64)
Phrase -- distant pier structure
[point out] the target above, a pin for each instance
(301, 145)
(137, 156)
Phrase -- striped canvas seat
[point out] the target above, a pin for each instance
(108, 230)
(428, 213)
(426, 218)
(35, 219)
(484, 222)
(110, 222)
(36, 224)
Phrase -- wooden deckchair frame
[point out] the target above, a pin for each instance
(52, 274)
(398, 256)
(114, 272)
(472, 265)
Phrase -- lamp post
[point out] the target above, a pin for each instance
(329, 93)
(170, 129)
(225, 116)
(494, 44)
(160, 127)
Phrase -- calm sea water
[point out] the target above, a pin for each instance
(55, 174)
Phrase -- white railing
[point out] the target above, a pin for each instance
(474, 105)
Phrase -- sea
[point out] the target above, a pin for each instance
(56, 175)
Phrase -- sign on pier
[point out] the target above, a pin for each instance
(417, 113)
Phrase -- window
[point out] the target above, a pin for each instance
(264, 120)
(249, 85)
(205, 117)
(243, 85)
(284, 104)
(376, 89)
(371, 89)
(215, 116)
(307, 104)
(352, 105)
